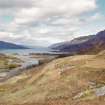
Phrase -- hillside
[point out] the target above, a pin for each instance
(88, 44)
(7, 45)
(74, 80)
(77, 40)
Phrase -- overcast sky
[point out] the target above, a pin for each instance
(44, 22)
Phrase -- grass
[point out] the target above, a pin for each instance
(12, 66)
(81, 74)
(86, 95)
(8, 63)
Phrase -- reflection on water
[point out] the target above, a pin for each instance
(26, 51)
(23, 55)
(27, 60)
(26, 63)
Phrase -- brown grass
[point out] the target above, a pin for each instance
(57, 83)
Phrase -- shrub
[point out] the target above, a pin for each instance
(12, 66)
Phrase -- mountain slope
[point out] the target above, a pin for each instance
(75, 80)
(74, 41)
(94, 43)
(7, 45)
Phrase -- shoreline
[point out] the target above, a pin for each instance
(41, 58)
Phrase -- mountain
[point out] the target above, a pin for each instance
(7, 45)
(86, 44)
(74, 41)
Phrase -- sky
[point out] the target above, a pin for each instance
(45, 22)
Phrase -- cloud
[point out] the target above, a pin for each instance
(45, 9)
(5, 4)
(45, 21)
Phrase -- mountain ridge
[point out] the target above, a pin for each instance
(8, 45)
(92, 43)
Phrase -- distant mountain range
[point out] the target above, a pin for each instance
(7, 45)
(85, 44)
